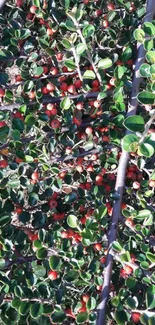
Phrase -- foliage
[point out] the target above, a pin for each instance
(66, 76)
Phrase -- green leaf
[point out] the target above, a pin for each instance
(30, 120)
(28, 86)
(105, 63)
(121, 317)
(119, 72)
(48, 309)
(145, 70)
(116, 246)
(2, 263)
(146, 150)
(3, 78)
(88, 31)
(18, 124)
(139, 35)
(101, 212)
(130, 282)
(115, 301)
(127, 54)
(24, 308)
(91, 303)
(146, 97)
(58, 316)
(66, 43)
(128, 141)
(71, 276)
(72, 221)
(150, 257)
(148, 45)
(149, 28)
(70, 64)
(41, 253)
(4, 131)
(150, 57)
(54, 262)
(70, 25)
(28, 159)
(36, 310)
(4, 219)
(82, 318)
(14, 183)
(65, 103)
(80, 48)
(150, 297)
(33, 199)
(142, 214)
(88, 74)
(37, 71)
(24, 217)
(131, 302)
(134, 123)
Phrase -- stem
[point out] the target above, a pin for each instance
(88, 53)
(77, 63)
(121, 175)
(147, 127)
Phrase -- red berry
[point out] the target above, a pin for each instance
(85, 298)
(99, 180)
(33, 9)
(29, 16)
(3, 163)
(71, 89)
(2, 123)
(79, 106)
(52, 275)
(64, 86)
(19, 3)
(32, 95)
(2, 92)
(78, 83)
(49, 31)
(53, 204)
(55, 124)
(135, 317)
(44, 90)
(54, 71)
(136, 185)
(18, 210)
(152, 183)
(35, 175)
(88, 130)
(45, 69)
(105, 23)
(18, 78)
(50, 87)
(98, 12)
(59, 56)
(110, 6)
(98, 246)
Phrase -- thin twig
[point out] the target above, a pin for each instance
(121, 175)
(77, 62)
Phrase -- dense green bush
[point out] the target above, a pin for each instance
(74, 118)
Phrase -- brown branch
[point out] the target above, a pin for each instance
(120, 180)
(2, 4)
(49, 99)
(19, 261)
